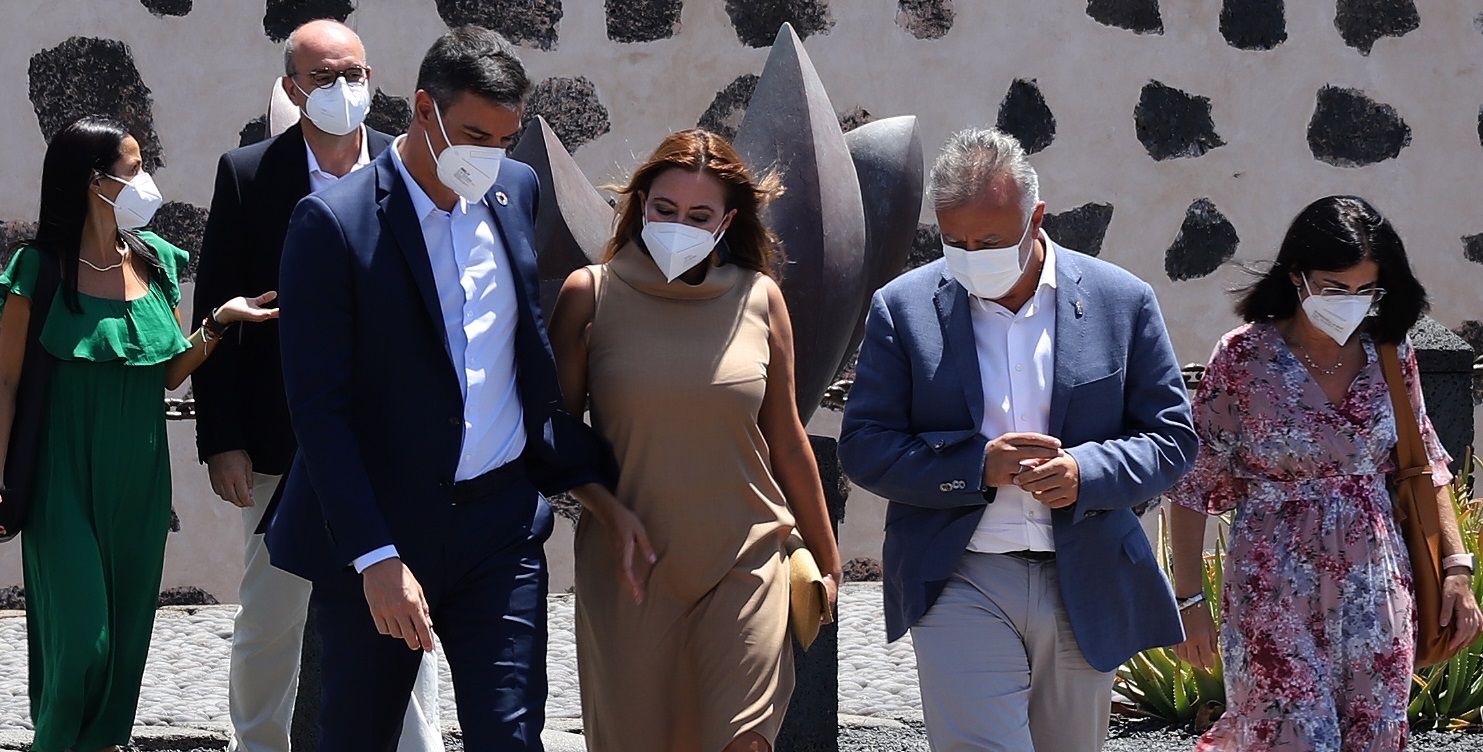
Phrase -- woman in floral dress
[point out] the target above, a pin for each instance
(1297, 437)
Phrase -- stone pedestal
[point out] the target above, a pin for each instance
(812, 723)
(1446, 363)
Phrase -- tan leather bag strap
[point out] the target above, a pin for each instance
(1411, 457)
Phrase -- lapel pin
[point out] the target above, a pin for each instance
(504, 200)
(1077, 306)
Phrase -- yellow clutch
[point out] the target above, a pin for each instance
(808, 606)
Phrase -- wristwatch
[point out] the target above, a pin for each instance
(1460, 560)
(1183, 604)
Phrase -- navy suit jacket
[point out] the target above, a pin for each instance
(1118, 405)
(371, 386)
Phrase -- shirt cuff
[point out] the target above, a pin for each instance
(364, 561)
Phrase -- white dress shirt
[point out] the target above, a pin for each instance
(1016, 363)
(320, 180)
(476, 291)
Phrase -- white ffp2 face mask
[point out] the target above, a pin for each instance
(136, 203)
(339, 109)
(468, 170)
(1338, 316)
(989, 273)
(677, 247)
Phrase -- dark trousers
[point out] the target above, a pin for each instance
(484, 577)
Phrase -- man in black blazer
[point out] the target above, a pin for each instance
(429, 418)
(242, 427)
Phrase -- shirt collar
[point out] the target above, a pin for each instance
(360, 161)
(422, 204)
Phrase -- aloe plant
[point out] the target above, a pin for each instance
(1156, 681)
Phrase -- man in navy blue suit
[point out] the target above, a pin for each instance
(1014, 402)
(424, 398)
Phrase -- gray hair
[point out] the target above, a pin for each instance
(973, 159)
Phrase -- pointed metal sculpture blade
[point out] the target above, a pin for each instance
(790, 123)
(888, 159)
(573, 221)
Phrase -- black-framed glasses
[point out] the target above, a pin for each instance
(324, 78)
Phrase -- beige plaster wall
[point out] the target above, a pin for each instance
(210, 71)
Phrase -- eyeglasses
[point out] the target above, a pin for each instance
(324, 78)
(1374, 293)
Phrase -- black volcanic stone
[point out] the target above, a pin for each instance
(1141, 16)
(863, 569)
(571, 108)
(855, 118)
(1025, 115)
(925, 19)
(254, 131)
(1480, 126)
(283, 16)
(642, 20)
(729, 106)
(530, 22)
(1205, 241)
(187, 596)
(91, 76)
(1363, 22)
(389, 114)
(1080, 229)
(1349, 129)
(12, 232)
(926, 247)
(1172, 123)
(1253, 24)
(757, 21)
(1472, 248)
(182, 225)
(167, 7)
(12, 598)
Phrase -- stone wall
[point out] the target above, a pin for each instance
(1175, 139)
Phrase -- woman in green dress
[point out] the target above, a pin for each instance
(94, 542)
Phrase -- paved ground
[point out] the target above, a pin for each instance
(185, 682)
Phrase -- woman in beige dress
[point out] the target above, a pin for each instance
(684, 346)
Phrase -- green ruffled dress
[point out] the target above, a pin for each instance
(94, 545)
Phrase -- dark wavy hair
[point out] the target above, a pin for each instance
(77, 158)
(749, 243)
(1333, 234)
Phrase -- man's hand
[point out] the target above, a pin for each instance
(397, 605)
(1005, 454)
(1055, 482)
(231, 477)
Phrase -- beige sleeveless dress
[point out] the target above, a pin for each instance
(676, 374)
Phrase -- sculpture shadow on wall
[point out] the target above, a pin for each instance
(846, 219)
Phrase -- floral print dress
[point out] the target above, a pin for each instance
(1318, 636)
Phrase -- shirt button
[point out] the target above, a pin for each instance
(1019, 367)
(455, 421)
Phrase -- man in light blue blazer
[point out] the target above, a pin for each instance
(1016, 401)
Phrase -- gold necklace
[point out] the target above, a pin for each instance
(123, 252)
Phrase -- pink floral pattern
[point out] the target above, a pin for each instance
(1318, 632)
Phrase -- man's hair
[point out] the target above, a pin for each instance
(473, 60)
(973, 160)
(292, 43)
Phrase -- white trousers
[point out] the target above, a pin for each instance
(266, 644)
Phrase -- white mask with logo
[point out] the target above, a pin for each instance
(989, 273)
(468, 170)
(1336, 315)
(136, 203)
(339, 109)
(677, 247)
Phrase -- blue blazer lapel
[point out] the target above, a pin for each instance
(1071, 335)
(535, 370)
(394, 206)
(959, 350)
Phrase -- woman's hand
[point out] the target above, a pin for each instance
(831, 587)
(250, 310)
(1199, 648)
(1459, 605)
(625, 533)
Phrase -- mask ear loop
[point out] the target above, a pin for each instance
(437, 111)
